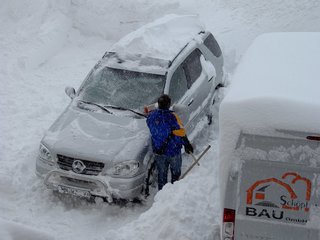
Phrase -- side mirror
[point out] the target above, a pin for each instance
(70, 92)
(179, 108)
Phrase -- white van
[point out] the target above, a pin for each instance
(269, 145)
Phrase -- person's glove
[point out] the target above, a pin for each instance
(187, 146)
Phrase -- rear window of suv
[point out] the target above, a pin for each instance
(213, 45)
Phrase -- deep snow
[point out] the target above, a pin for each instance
(47, 45)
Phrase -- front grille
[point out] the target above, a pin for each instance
(92, 168)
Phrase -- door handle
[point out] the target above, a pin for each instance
(190, 102)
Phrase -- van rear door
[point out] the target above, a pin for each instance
(279, 189)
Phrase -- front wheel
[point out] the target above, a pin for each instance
(209, 119)
(151, 178)
(216, 99)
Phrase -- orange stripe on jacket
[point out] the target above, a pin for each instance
(179, 132)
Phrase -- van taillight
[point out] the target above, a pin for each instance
(229, 216)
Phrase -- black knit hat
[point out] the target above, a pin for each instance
(164, 102)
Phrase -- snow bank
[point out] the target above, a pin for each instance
(40, 27)
(112, 20)
(14, 231)
(180, 211)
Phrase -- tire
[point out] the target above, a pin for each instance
(209, 119)
(215, 99)
(209, 113)
(151, 178)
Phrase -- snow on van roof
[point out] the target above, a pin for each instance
(162, 39)
(276, 85)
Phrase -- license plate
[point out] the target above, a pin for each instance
(74, 191)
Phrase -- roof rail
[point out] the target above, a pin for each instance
(171, 61)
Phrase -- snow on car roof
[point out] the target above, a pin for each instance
(136, 63)
(162, 39)
(276, 85)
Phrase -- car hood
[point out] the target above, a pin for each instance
(97, 136)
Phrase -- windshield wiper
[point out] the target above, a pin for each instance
(96, 104)
(125, 109)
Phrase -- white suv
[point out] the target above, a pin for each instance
(100, 145)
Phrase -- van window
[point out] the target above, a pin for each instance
(178, 85)
(212, 45)
(192, 67)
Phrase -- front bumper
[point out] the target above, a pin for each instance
(90, 185)
(84, 186)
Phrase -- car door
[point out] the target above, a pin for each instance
(198, 82)
(178, 93)
(189, 87)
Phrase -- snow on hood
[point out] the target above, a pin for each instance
(100, 136)
(161, 39)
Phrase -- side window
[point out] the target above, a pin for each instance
(178, 85)
(213, 45)
(192, 66)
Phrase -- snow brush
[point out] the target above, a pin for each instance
(196, 161)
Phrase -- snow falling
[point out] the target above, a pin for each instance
(47, 45)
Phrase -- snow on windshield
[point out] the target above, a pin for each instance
(122, 88)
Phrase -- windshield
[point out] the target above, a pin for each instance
(123, 88)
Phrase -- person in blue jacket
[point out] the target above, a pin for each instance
(168, 136)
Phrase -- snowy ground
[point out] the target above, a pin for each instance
(47, 45)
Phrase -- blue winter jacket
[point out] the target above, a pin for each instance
(167, 132)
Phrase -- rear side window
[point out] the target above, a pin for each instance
(192, 67)
(213, 45)
(178, 85)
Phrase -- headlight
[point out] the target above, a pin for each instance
(44, 153)
(124, 169)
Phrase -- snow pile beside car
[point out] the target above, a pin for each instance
(181, 210)
(14, 231)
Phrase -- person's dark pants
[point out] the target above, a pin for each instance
(163, 163)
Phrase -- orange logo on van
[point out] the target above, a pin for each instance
(258, 195)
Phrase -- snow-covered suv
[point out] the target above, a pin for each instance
(100, 145)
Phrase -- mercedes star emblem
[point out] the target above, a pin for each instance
(78, 166)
